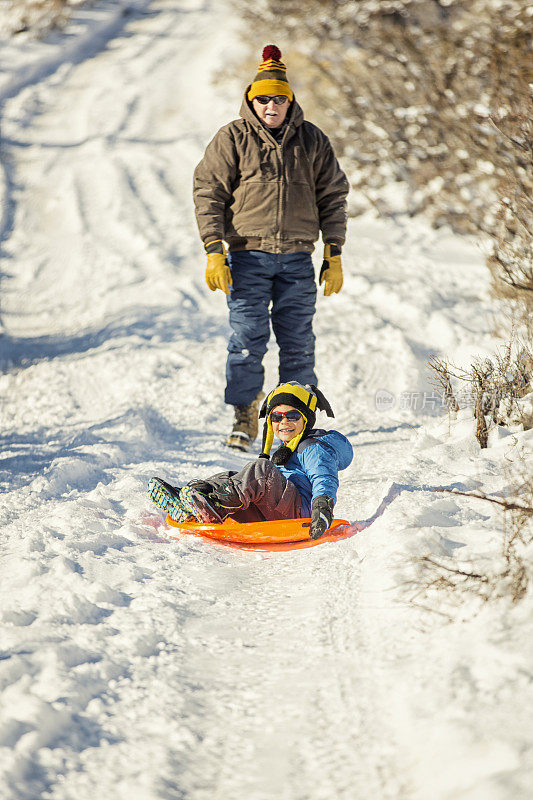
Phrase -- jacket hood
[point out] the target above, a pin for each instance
(295, 115)
(334, 439)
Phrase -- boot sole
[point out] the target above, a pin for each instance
(166, 498)
(161, 493)
(239, 441)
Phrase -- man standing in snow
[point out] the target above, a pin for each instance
(268, 185)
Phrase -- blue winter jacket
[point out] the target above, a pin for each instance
(314, 467)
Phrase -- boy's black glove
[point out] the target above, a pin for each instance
(321, 515)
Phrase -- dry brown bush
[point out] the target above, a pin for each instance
(492, 387)
(406, 90)
(511, 259)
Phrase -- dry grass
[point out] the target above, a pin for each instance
(37, 17)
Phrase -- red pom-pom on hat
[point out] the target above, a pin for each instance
(271, 51)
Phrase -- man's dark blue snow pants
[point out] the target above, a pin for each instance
(287, 281)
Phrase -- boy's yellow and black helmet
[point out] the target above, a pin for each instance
(307, 399)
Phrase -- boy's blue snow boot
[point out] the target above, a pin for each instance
(212, 504)
(168, 498)
(199, 501)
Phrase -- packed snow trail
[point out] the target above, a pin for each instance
(132, 666)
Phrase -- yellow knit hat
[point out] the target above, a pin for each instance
(271, 78)
(307, 399)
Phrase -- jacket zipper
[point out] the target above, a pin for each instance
(280, 197)
(281, 183)
(279, 148)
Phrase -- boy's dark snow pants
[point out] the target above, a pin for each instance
(286, 280)
(263, 491)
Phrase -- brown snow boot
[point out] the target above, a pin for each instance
(246, 425)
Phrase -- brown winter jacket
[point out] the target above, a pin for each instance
(256, 194)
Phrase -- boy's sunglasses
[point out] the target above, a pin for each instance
(278, 99)
(292, 416)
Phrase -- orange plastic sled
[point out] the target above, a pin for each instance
(269, 536)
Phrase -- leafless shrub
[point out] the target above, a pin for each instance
(493, 387)
(442, 382)
(407, 90)
(511, 259)
(479, 378)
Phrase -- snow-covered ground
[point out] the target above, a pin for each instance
(136, 667)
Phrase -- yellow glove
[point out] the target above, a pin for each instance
(217, 274)
(331, 272)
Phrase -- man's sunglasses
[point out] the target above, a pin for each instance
(278, 99)
(292, 416)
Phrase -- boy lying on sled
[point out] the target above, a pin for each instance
(301, 480)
